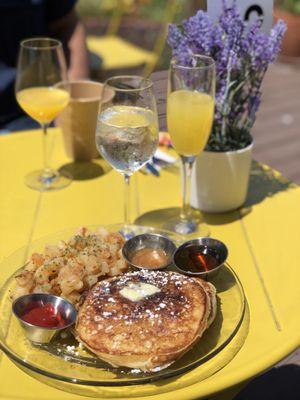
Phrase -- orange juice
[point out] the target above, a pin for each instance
(190, 116)
(43, 104)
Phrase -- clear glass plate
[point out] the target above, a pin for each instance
(62, 361)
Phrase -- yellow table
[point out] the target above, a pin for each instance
(263, 239)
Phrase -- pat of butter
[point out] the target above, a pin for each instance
(138, 291)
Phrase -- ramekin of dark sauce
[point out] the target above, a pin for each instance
(202, 257)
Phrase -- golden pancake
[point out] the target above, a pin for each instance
(145, 319)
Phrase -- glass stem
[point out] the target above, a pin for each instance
(187, 165)
(126, 199)
(47, 170)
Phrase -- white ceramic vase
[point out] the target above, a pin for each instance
(220, 180)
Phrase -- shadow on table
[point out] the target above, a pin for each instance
(280, 383)
(157, 218)
(265, 182)
(85, 170)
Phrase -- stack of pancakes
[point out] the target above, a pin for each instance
(151, 330)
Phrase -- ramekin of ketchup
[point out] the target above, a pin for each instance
(43, 315)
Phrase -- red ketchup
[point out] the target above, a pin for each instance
(44, 315)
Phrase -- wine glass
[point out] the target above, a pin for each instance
(190, 112)
(127, 129)
(41, 66)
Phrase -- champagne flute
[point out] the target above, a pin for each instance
(41, 66)
(190, 111)
(127, 129)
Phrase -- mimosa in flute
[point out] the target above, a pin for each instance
(190, 111)
(41, 66)
(43, 104)
(190, 116)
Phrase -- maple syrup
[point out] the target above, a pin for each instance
(197, 258)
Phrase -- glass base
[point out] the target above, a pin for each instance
(47, 180)
(128, 231)
(187, 226)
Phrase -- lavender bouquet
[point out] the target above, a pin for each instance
(242, 54)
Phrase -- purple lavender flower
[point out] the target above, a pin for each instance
(242, 54)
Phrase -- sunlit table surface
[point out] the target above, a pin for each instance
(263, 241)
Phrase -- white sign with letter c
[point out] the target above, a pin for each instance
(249, 9)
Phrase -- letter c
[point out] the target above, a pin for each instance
(255, 8)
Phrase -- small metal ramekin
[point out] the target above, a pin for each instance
(216, 245)
(150, 240)
(40, 334)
